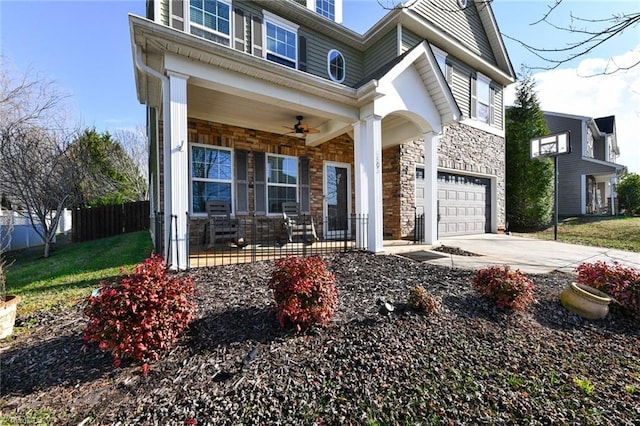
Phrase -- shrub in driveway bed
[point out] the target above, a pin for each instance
(304, 291)
(620, 282)
(420, 300)
(507, 287)
(140, 314)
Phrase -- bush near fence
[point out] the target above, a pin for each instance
(105, 221)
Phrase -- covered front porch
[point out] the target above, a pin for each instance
(251, 105)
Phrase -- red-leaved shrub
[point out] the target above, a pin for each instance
(620, 282)
(140, 314)
(508, 287)
(304, 291)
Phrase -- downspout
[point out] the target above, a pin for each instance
(166, 135)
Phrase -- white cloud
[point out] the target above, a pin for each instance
(567, 91)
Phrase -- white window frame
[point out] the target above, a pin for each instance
(337, 9)
(269, 184)
(344, 66)
(270, 18)
(319, 11)
(483, 82)
(231, 181)
(211, 30)
(441, 58)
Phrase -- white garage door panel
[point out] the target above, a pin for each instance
(464, 205)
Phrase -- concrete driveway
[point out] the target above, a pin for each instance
(530, 255)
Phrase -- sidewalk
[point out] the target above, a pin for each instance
(530, 255)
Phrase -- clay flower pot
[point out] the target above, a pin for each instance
(8, 315)
(585, 301)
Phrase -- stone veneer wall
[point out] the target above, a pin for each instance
(462, 149)
(391, 196)
(339, 149)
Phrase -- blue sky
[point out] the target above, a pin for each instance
(84, 47)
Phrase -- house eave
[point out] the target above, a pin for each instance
(310, 19)
(158, 39)
(414, 22)
(615, 167)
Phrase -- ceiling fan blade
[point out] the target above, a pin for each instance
(312, 130)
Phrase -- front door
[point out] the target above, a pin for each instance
(337, 200)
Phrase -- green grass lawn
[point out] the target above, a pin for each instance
(621, 233)
(72, 270)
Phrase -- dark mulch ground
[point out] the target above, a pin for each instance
(470, 363)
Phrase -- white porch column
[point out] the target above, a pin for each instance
(359, 154)
(430, 188)
(368, 161)
(176, 200)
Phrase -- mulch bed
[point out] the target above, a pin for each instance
(469, 363)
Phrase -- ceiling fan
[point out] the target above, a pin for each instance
(300, 129)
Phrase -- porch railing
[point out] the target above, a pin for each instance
(266, 238)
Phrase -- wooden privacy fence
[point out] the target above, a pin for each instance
(104, 221)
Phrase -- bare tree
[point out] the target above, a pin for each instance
(135, 144)
(34, 169)
(587, 33)
(590, 34)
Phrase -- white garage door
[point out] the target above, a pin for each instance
(464, 205)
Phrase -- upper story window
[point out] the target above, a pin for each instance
(282, 181)
(441, 58)
(330, 9)
(281, 39)
(211, 19)
(483, 98)
(326, 8)
(211, 176)
(336, 66)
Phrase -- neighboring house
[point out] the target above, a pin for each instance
(588, 175)
(410, 114)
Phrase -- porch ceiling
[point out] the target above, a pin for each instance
(220, 107)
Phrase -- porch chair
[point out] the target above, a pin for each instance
(222, 226)
(298, 225)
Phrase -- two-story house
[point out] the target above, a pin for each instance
(409, 115)
(588, 175)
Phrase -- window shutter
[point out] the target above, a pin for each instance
(473, 98)
(259, 183)
(242, 183)
(492, 106)
(256, 36)
(302, 53)
(448, 74)
(239, 30)
(177, 15)
(305, 185)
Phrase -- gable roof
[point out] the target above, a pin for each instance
(606, 124)
(499, 67)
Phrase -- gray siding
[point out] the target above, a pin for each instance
(384, 51)
(599, 149)
(318, 47)
(570, 166)
(409, 40)
(463, 25)
(460, 86)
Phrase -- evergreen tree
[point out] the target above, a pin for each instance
(629, 193)
(529, 183)
(108, 174)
